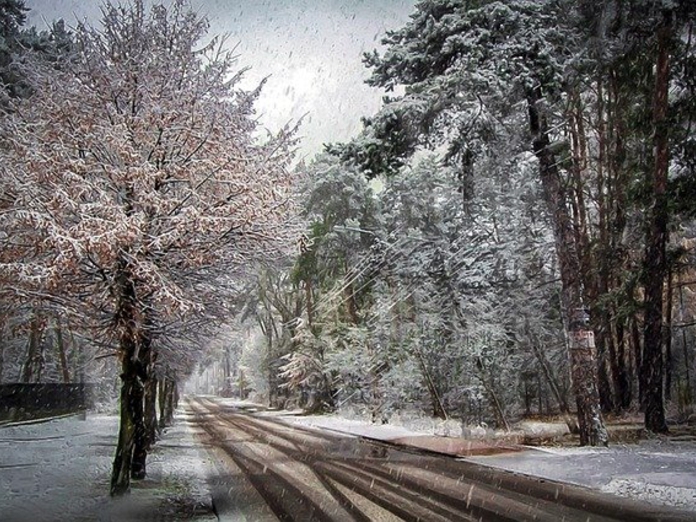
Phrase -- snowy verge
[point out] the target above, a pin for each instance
(658, 472)
(182, 469)
(59, 471)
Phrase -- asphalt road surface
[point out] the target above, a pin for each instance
(269, 470)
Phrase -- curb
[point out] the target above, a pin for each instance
(10, 424)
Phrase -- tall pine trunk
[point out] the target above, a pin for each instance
(655, 267)
(580, 335)
(620, 367)
(167, 401)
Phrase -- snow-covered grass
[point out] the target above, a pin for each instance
(59, 471)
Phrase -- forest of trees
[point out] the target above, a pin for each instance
(511, 234)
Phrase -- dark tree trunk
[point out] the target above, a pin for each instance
(3, 333)
(138, 464)
(580, 336)
(656, 242)
(2, 355)
(168, 399)
(174, 401)
(638, 368)
(621, 369)
(151, 410)
(605, 388)
(131, 397)
(145, 426)
(31, 370)
(667, 337)
(163, 383)
(227, 368)
(131, 412)
(62, 357)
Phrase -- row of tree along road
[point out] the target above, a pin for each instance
(133, 193)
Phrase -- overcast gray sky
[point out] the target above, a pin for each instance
(311, 49)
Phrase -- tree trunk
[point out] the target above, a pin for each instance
(146, 430)
(551, 380)
(667, 337)
(227, 369)
(435, 399)
(146, 426)
(620, 368)
(656, 242)
(162, 400)
(685, 351)
(3, 342)
(174, 403)
(167, 401)
(130, 412)
(489, 387)
(580, 336)
(151, 410)
(638, 368)
(2, 353)
(131, 397)
(31, 370)
(62, 357)
(605, 384)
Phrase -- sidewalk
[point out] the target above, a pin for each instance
(59, 470)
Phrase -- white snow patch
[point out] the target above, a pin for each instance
(56, 470)
(351, 426)
(654, 493)
(659, 472)
(178, 458)
(543, 429)
(60, 470)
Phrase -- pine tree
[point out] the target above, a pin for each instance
(465, 64)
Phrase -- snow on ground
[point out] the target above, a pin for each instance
(402, 424)
(657, 471)
(59, 471)
(351, 426)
